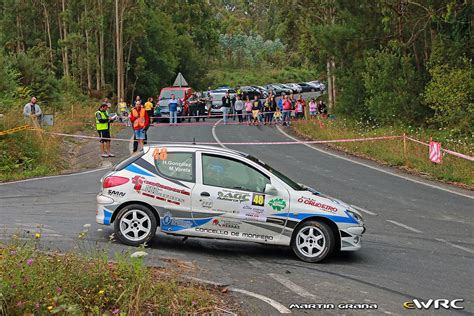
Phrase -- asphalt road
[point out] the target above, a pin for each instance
(419, 242)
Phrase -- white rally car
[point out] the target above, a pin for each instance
(203, 191)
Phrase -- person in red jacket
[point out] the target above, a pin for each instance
(299, 107)
(286, 111)
(140, 121)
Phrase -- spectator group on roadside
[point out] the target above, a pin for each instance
(254, 111)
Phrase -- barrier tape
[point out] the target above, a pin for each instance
(200, 123)
(450, 152)
(238, 143)
(14, 130)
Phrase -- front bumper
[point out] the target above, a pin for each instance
(351, 238)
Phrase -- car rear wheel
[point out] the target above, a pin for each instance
(135, 224)
(313, 241)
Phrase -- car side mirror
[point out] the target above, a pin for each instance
(270, 189)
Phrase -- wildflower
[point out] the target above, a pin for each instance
(37, 235)
(50, 307)
(59, 290)
(29, 262)
(12, 252)
(37, 305)
(193, 303)
(138, 254)
(101, 292)
(115, 311)
(19, 304)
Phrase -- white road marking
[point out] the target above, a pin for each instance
(292, 286)
(376, 168)
(255, 263)
(58, 176)
(363, 210)
(455, 246)
(405, 226)
(279, 307)
(215, 135)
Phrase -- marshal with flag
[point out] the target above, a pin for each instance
(435, 152)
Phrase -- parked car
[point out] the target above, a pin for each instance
(294, 87)
(286, 90)
(203, 191)
(276, 90)
(308, 87)
(250, 92)
(319, 84)
(181, 93)
(262, 90)
(215, 99)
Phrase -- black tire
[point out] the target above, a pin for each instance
(327, 242)
(312, 90)
(120, 225)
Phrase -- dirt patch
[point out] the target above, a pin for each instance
(81, 154)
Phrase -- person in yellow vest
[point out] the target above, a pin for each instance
(122, 110)
(140, 120)
(149, 109)
(102, 123)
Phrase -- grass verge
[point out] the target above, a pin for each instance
(391, 152)
(27, 154)
(33, 282)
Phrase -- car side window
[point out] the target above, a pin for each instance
(176, 165)
(232, 174)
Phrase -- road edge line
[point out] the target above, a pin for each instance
(375, 168)
(278, 306)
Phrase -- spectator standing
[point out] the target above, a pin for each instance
(122, 110)
(173, 106)
(102, 123)
(109, 105)
(248, 110)
(226, 103)
(267, 111)
(322, 108)
(256, 110)
(280, 103)
(137, 99)
(239, 107)
(157, 112)
(149, 108)
(139, 118)
(273, 107)
(286, 111)
(33, 112)
(312, 108)
(300, 107)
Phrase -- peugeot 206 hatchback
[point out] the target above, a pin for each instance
(202, 191)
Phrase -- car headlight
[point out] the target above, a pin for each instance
(356, 216)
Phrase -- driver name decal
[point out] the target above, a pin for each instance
(317, 204)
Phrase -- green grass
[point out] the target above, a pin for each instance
(40, 283)
(391, 152)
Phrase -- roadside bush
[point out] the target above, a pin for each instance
(450, 93)
(392, 88)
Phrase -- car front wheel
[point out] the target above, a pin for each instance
(313, 241)
(135, 224)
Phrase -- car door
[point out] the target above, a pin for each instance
(233, 190)
(172, 191)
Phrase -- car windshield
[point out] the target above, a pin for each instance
(166, 94)
(278, 174)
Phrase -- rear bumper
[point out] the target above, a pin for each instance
(105, 209)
